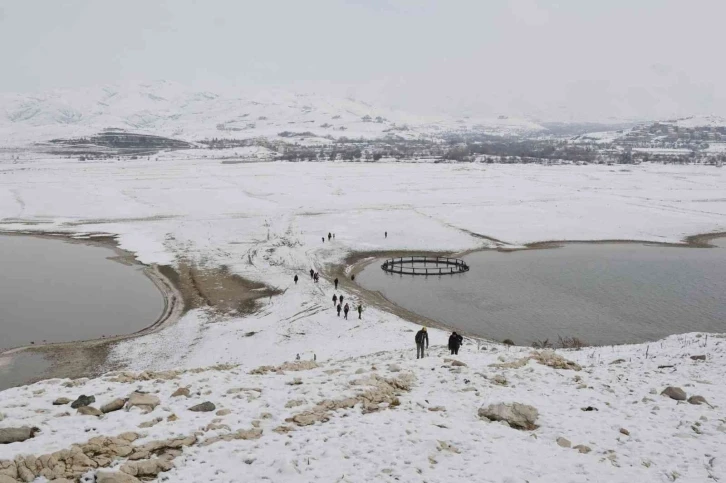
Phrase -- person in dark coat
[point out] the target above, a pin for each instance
(295, 279)
(422, 337)
(341, 298)
(352, 277)
(345, 310)
(312, 273)
(338, 307)
(360, 310)
(335, 300)
(323, 239)
(455, 341)
(335, 282)
(386, 234)
(329, 236)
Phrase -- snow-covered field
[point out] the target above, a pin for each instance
(264, 221)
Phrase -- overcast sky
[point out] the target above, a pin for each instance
(578, 59)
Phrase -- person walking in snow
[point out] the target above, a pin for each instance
(455, 341)
(386, 234)
(312, 273)
(317, 277)
(341, 298)
(422, 337)
(323, 239)
(345, 310)
(329, 236)
(335, 282)
(360, 310)
(338, 310)
(335, 300)
(295, 279)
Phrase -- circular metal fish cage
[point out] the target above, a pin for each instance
(425, 265)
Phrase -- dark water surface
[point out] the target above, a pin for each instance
(55, 291)
(601, 293)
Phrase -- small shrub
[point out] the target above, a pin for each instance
(542, 344)
(508, 342)
(571, 343)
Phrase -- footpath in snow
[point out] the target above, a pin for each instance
(360, 407)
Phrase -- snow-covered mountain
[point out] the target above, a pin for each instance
(169, 109)
(698, 121)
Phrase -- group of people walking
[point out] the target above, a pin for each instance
(422, 336)
(422, 343)
(315, 276)
(337, 301)
(338, 304)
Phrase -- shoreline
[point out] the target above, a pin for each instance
(355, 262)
(188, 287)
(183, 287)
(87, 357)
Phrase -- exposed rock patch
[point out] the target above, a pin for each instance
(674, 393)
(383, 394)
(204, 407)
(697, 400)
(564, 442)
(511, 365)
(145, 402)
(182, 391)
(114, 405)
(551, 359)
(287, 366)
(518, 416)
(17, 435)
(89, 411)
(114, 477)
(83, 400)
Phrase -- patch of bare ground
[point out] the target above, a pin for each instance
(184, 287)
(216, 288)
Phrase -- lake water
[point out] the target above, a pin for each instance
(600, 293)
(54, 291)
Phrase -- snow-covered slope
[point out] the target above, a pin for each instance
(389, 417)
(169, 109)
(699, 121)
(371, 411)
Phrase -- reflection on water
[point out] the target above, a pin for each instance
(21, 369)
(601, 293)
(56, 292)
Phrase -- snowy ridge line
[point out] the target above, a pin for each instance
(172, 110)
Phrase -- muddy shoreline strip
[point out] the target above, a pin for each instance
(183, 288)
(88, 357)
(188, 286)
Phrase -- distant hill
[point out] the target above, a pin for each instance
(168, 109)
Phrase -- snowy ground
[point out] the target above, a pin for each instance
(265, 222)
(435, 434)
